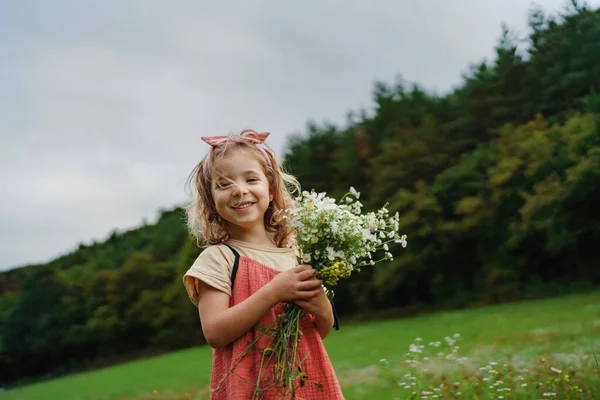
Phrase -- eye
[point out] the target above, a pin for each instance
(222, 185)
(252, 179)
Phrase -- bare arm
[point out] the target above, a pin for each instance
(222, 324)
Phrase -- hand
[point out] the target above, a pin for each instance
(316, 306)
(295, 283)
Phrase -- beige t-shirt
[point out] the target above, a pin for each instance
(214, 265)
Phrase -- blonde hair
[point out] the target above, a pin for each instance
(203, 221)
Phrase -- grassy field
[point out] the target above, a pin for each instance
(529, 350)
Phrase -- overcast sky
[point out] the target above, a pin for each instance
(102, 104)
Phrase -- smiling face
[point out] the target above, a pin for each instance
(241, 192)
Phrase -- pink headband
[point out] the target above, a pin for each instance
(251, 136)
(248, 135)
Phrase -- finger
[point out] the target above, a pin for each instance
(308, 294)
(311, 284)
(307, 274)
(300, 268)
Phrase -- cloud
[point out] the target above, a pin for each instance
(102, 104)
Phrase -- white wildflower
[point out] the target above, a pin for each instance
(354, 193)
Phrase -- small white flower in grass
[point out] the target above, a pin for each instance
(354, 193)
(386, 247)
(549, 394)
(306, 258)
(558, 371)
(414, 349)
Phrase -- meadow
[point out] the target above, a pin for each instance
(527, 350)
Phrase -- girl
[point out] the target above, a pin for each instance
(241, 279)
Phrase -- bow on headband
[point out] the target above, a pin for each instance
(251, 136)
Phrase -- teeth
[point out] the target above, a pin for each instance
(246, 205)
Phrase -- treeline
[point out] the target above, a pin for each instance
(495, 184)
(101, 304)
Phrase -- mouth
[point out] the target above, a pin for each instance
(242, 206)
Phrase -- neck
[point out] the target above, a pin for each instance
(258, 236)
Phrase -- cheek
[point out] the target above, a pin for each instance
(223, 198)
(218, 198)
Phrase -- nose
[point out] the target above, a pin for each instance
(239, 190)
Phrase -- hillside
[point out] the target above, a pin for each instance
(496, 184)
(515, 336)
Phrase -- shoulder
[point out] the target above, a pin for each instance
(214, 260)
(213, 266)
(214, 255)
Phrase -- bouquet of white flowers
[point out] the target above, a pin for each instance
(336, 239)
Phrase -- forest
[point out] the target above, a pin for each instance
(495, 184)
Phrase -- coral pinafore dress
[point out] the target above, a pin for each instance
(247, 277)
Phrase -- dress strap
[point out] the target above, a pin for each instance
(236, 263)
(336, 322)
